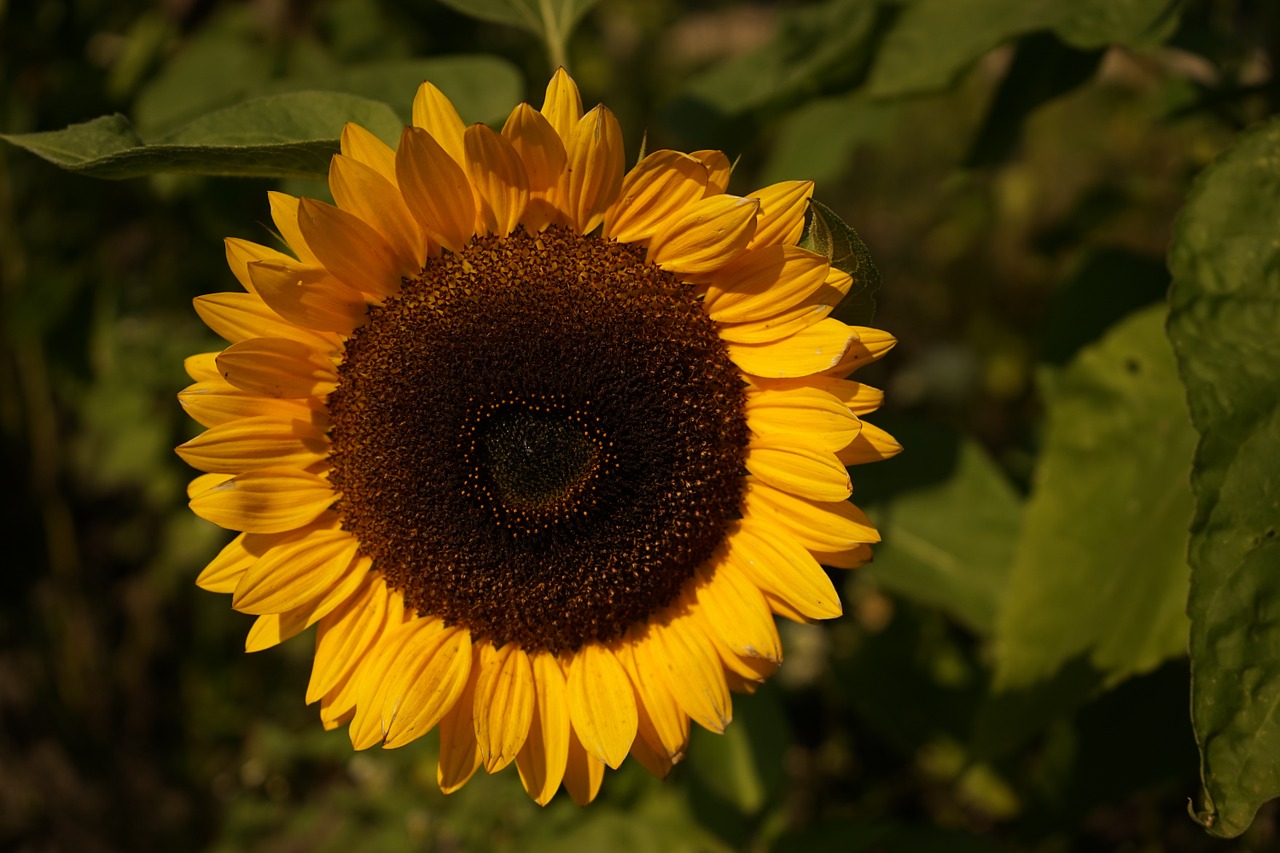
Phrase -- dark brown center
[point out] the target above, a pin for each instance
(540, 438)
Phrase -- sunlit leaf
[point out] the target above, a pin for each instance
(1224, 327)
(1100, 570)
(827, 234)
(288, 135)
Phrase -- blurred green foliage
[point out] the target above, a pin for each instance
(1011, 674)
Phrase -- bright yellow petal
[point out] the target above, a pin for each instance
(241, 253)
(736, 612)
(706, 236)
(858, 396)
(583, 773)
(868, 346)
(872, 445)
(217, 402)
(686, 661)
(308, 297)
(799, 469)
(657, 189)
(782, 210)
(435, 113)
(806, 415)
(602, 704)
(820, 525)
(660, 719)
(271, 500)
(271, 629)
(499, 178)
(776, 563)
(718, 169)
(539, 146)
(763, 283)
(251, 443)
(295, 572)
(361, 145)
(345, 633)
(352, 249)
(562, 106)
(202, 366)
(504, 703)
(284, 213)
(205, 483)
(435, 675)
(541, 762)
(596, 160)
(811, 350)
(435, 189)
(459, 752)
(225, 570)
(238, 317)
(851, 559)
(277, 367)
(361, 191)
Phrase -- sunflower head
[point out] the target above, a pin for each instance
(540, 444)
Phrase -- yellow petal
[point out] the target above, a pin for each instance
(344, 634)
(807, 415)
(764, 282)
(459, 752)
(435, 189)
(858, 396)
(498, 175)
(707, 235)
(686, 661)
(813, 310)
(541, 762)
(436, 672)
(277, 367)
(868, 346)
(820, 525)
(660, 718)
(351, 249)
(241, 253)
(602, 704)
(361, 191)
(202, 366)
(736, 612)
(205, 482)
(854, 557)
(782, 210)
(583, 773)
(361, 145)
(562, 106)
(224, 571)
(504, 703)
(251, 443)
(308, 296)
(295, 572)
(596, 160)
(435, 113)
(658, 188)
(799, 469)
(284, 213)
(811, 350)
(718, 169)
(272, 629)
(271, 500)
(237, 317)
(539, 146)
(214, 403)
(777, 564)
(871, 445)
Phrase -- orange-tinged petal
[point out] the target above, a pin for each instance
(504, 704)
(764, 282)
(658, 188)
(284, 213)
(361, 191)
(735, 611)
(871, 445)
(435, 113)
(352, 249)
(498, 175)
(261, 442)
(292, 574)
(799, 469)
(820, 525)
(562, 106)
(359, 144)
(459, 753)
(541, 762)
(237, 317)
(217, 402)
(202, 367)
(435, 189)
(808, 415)
(777, 564)
(308, 297)
(583, 772)
(851, 559)
(277, 367)
(596, 161)
(718, 169)
(205, 482)
(707, 235)
(869, 345)
(602, 704)
(686, 661)
(344, 634)
(241, 253)
(539, 146)
(811, 350)
(271, 500)
(782, 210)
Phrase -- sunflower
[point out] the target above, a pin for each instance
(540, 445)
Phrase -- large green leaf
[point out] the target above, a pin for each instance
(550, 20)
(933, 41)
(1100, 569)
(950, 544)
(1225, 328)
(288, 135)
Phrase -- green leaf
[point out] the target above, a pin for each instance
(950, 544)
(817, 141)
(1225, 260)
(827, 234)
(934, 41)
(744, 766)
(550, 20)
(1100, 569)
(288, 135)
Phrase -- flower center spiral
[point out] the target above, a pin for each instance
(540, 438)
